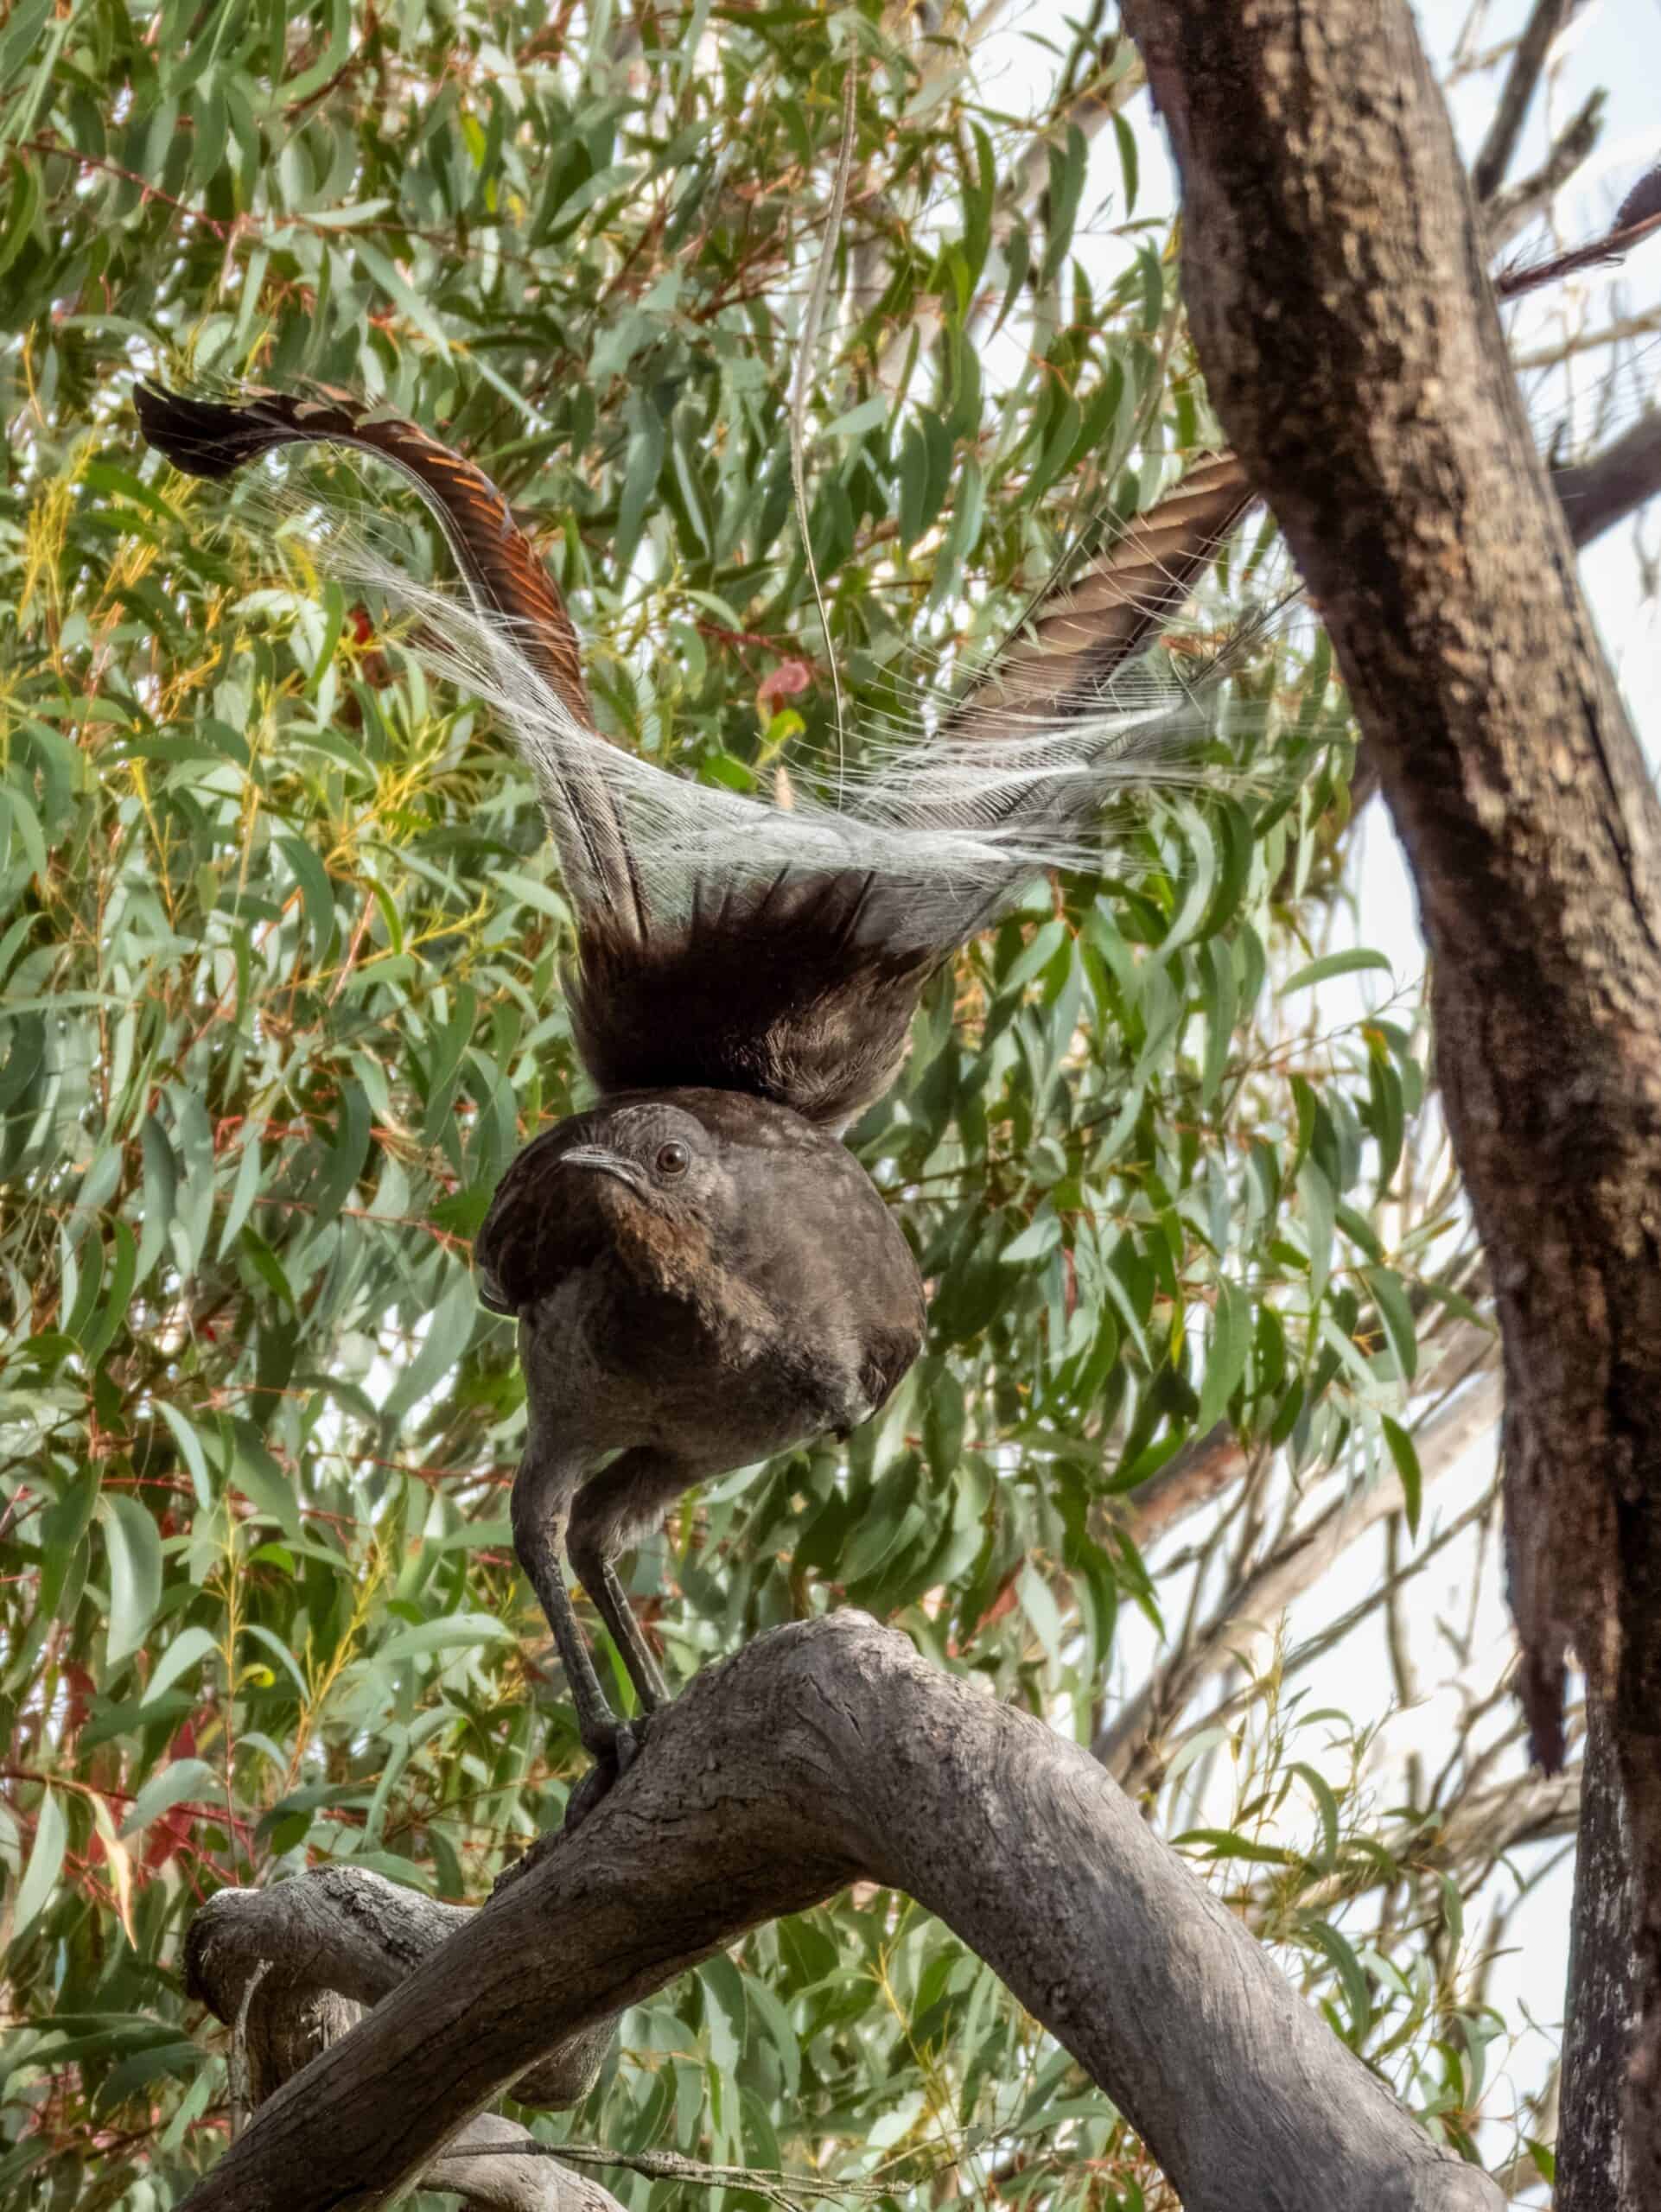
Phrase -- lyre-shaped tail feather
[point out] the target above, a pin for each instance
(725, 942)
(1056, 722)
(1064, 657)
(510, 585)
(801, 985)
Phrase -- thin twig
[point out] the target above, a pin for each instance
(812, 316)
(788, 2189)
(146, 191)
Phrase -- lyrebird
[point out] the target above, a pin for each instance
(702, 1273)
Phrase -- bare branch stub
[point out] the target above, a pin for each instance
(823, 1753)
(291, 1969)
(1599, 493)
(1337, 295)
(1513, 209)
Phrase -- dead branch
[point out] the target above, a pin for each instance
(825, 1753)
(1499, 146)
(296, 1967)
(1598, 493)
(1514, 207)
(1130, 1747)
(1210, 1464)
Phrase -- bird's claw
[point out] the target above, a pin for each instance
(614, 1751)
(631, 1741)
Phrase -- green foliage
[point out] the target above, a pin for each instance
(280, 942)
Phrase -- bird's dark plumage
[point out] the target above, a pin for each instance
(702, 1273)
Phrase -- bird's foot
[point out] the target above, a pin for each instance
(615, 1749)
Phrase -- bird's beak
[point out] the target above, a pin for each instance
(605, 1163)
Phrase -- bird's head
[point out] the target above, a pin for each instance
(700, 1194)
(659, 1169)
(641, 1176)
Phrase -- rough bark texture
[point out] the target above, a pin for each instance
(1354, 355)
(293, 1968)
(821, 1754)
(1592, 2174)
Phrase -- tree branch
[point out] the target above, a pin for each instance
(1598, 493)
(825, 1753)
(1512, 210)
(1131, 1747)
(1353, 352)
(1210, 1464)
(294, 1967)
(1476, 1829)
(1516, 95)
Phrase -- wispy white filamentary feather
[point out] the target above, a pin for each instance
(947, 821)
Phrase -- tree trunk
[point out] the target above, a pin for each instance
(1591, 2161)
(823, 1754)
(1352, 351)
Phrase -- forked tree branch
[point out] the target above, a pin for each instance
(825, 1753)
(293, 1969)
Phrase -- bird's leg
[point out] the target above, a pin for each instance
(541, 1512)
(599, 1578)
(615, 1505)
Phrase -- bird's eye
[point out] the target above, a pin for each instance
(673, 1158)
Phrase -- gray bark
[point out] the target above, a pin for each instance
(1353, 353)
(823, 1754)
(293, 1968)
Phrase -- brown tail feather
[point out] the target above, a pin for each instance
(1082, 633)
(211, 439)
(205, 438)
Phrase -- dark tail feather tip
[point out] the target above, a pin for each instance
(202, 438)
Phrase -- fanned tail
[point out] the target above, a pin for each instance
(725, 941)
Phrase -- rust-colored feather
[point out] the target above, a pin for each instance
(211, 439)
(214, 439)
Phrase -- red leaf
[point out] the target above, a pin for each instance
(783, 682)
